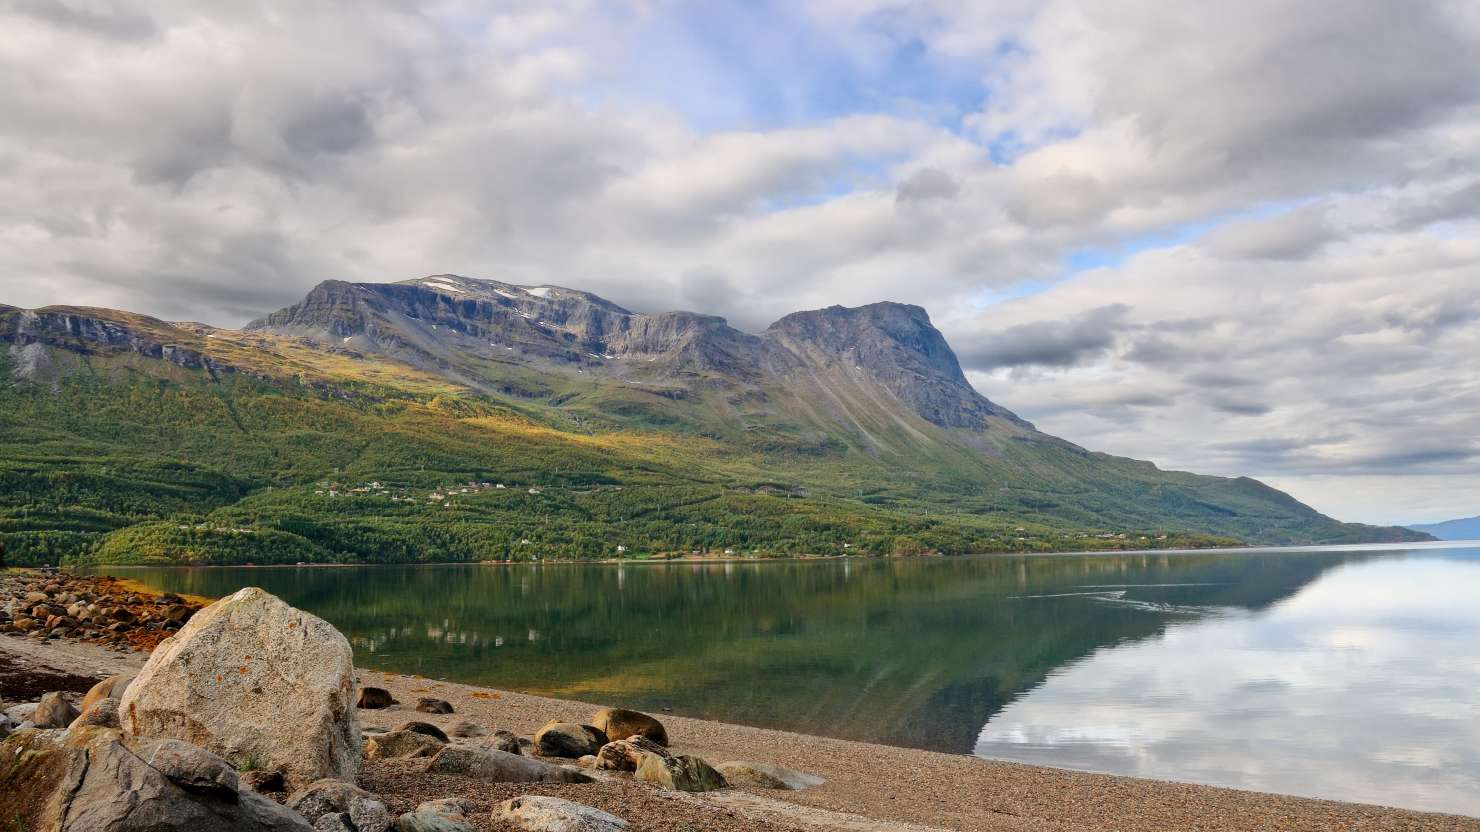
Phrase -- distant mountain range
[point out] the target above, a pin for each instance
(448, 418)
(1467, 528)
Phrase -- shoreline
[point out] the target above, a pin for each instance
(692, 559)
(868, 788)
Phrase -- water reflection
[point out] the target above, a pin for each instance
(1364, 685)
(924, 653)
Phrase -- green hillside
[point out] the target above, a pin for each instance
(174, 445)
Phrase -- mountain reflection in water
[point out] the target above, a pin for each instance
(1241, 669)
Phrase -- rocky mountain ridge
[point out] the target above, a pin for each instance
(443, 320)
(831, 429)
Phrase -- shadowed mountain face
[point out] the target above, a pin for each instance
(834, 430)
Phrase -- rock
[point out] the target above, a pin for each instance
(588, 761)
(263, 781)
(682, 773)
(500, 766)
(102, 713)
(21, 713)
(451, 806)
(467, 729)
(429, 822)
(426, 728)
(620, 723)
(53, 712)
(449, 814)
(373, 699)
(766, 776)
(190, 766)
(88, 780)
(401, 744)
(178, 613)
(567, 739)
(334, 822)
(364, 811)
(428, 705)
(627, 755)
(110, 688)
(538, 813)
(505, 741)
(262, 684)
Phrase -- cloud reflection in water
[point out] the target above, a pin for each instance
(1364, 686)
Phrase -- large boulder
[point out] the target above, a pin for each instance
(89, 779)
(568, 739)
(110, 688)
(766, 776)
(538, 813)
(627, 755)
(401, 744)
(620, 723)
(362, 811)
(262, 684)
(53, 711)
(681, 773)
(500, 766)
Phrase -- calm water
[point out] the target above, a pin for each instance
(1346, 674)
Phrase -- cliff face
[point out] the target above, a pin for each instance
(896, 346)
(440, 320)
(81, 329)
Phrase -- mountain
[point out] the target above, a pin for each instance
(1467, 528)
(448, 418)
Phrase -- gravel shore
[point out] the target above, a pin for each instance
(869, 788)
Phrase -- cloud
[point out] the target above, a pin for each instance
(1284, 195)
(1055, 343)
(1238, 407)
(926, 185)
(1289, 236)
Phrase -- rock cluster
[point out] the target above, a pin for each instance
(253, 697)
(249, 683)
(89, 609)
(94, 609)
(91, 779)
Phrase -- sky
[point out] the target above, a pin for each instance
(1240, 239)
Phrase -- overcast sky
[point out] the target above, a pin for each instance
(1237, 238)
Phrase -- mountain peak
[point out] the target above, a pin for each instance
(899, 348)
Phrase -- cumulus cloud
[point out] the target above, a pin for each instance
(1282, 196)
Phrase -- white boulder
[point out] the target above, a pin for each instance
(262, 684)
